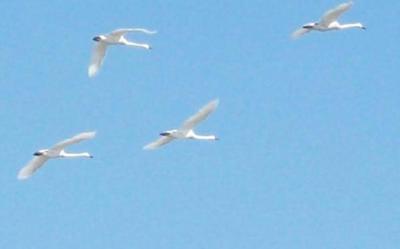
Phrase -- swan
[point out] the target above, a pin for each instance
(329, 21)
(116, 37)
(57, 151)
(186, 130)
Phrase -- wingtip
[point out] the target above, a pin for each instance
(294, 36)
(215, 101)
(298, 33)
(92, 72)
(347, 4)
(91, 134)
(148, 147)
(86, 134)
(150, 32)
(22, 177)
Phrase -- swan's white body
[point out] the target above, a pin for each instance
(57, 151)
(329, 21)
(116, 37)
(186, 131)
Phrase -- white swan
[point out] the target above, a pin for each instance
(329, 21)
(57, 151)
(116, 37)
(186, 130)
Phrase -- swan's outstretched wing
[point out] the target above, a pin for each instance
(31, 167)
(300, 32)
(191, 122)
(158, 143)
(73, 140)
(98, 54)
(333, 14)
(120, 32)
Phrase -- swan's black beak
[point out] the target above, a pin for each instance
(364, 28)
(164, 134)
(90, 156)
(96, 38)
(37, 154)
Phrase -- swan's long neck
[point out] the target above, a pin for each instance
(204, 137)
(211, 137)
(192, 135)
(75, 155)
(139, 45)
(351, 25)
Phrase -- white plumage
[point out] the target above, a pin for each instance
(116, 37)
(329, 21)
(57, 151)
(186, 130)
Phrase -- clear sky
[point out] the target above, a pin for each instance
(309, 149)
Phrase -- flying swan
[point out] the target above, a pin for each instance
(186, 130)
(57, 151)
(329, 22)
(116, 37)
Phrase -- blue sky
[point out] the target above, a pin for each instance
(309, 149)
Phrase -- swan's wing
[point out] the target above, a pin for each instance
(31, 167)
(158, 143)
(333, 14)
(300, 32)
(202, 114)
(120, 32)
(73, 140)
(98, 54)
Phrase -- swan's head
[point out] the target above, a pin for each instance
(310, 25)
(213, 137)
(97, 38)
(40, 152)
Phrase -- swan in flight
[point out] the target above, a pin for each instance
(186, 130)
(57, 151)
(329, 21)
(116, 37)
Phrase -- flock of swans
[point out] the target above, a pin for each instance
(328, 22)
(57, 151)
